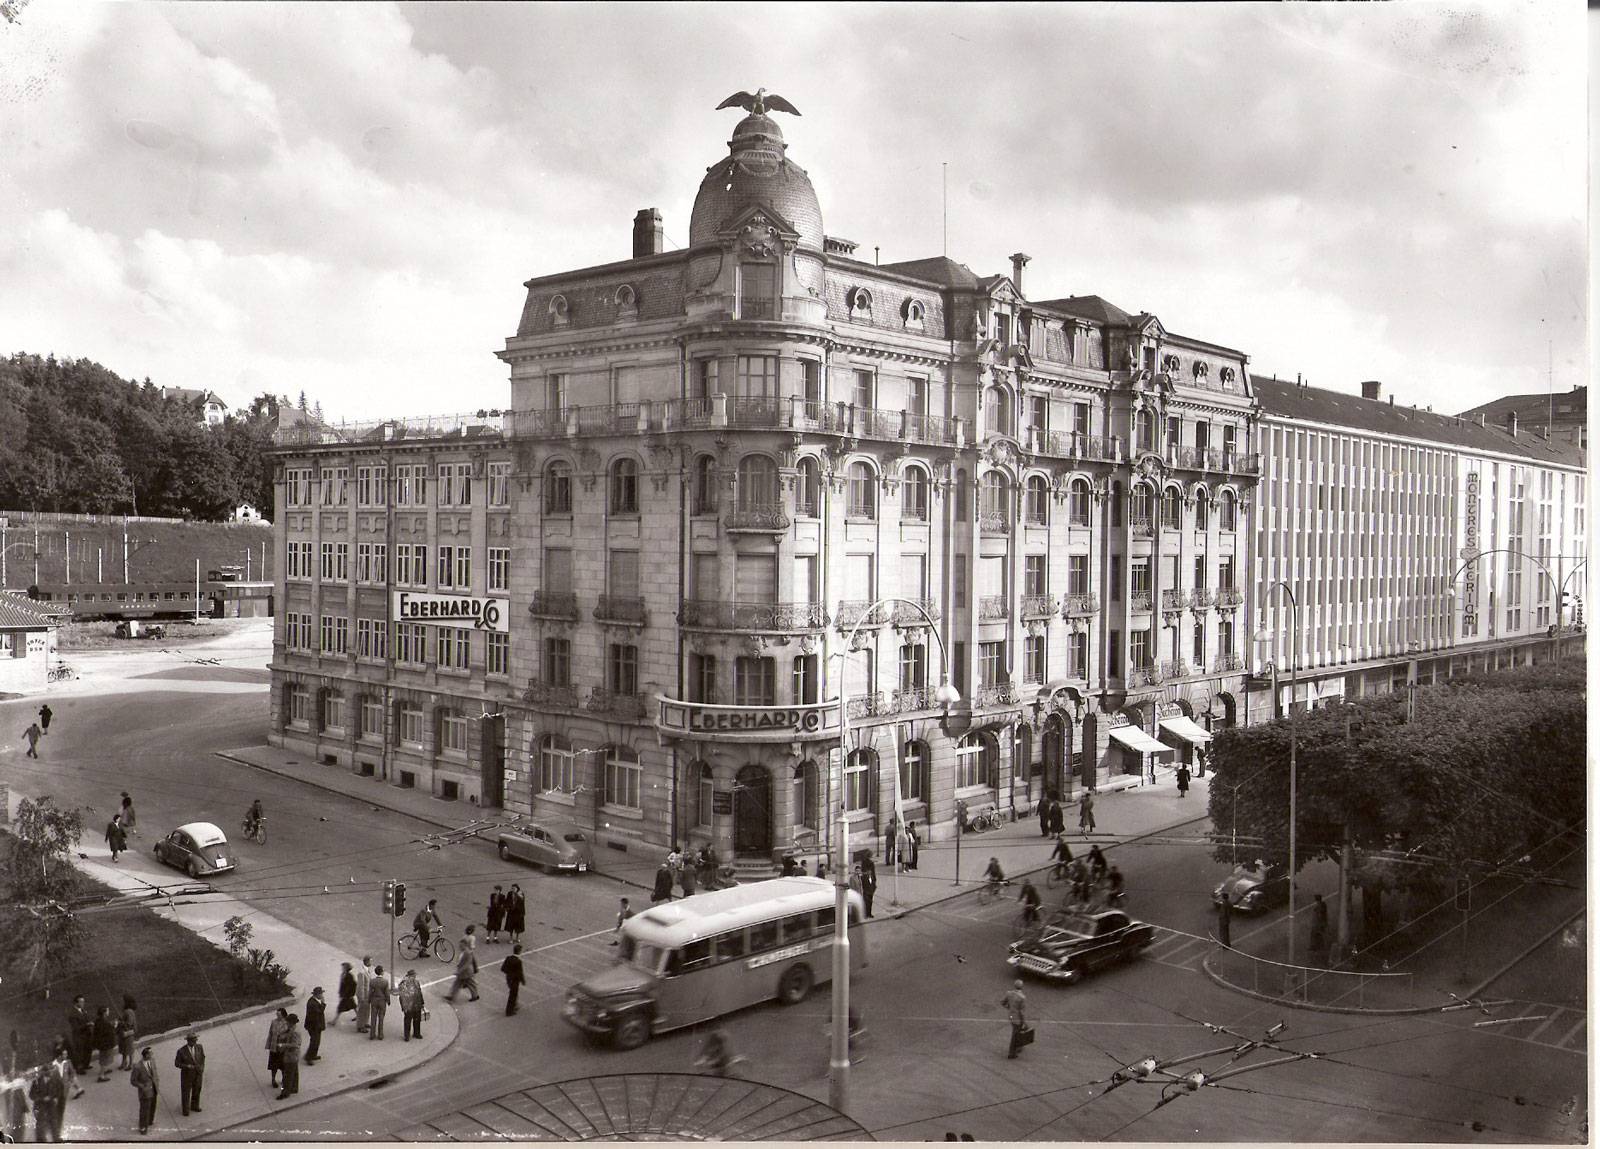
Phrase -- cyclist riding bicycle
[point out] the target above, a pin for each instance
(1097, 863)
(716, 1054)
(1114, 888)
(995, 875)
(1029, 897)
(253, 817)
(427, 921)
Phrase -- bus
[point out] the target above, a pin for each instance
(684, 962)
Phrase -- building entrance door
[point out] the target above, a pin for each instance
(752, 811)
(1055, 757)
(492, 782)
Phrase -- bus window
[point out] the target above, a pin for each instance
(730, 946)
(825, 920)
(650, 958)
(695, 955)
(763, 937)
(798, 927)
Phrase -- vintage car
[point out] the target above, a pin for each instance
(1076, 942)
(1253, 886)
(197, 848)
(549, 845)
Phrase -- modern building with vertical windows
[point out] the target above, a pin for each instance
(747, 506)
(1415, 545)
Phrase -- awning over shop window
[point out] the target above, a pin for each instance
(1186, 729)
(1135, 739)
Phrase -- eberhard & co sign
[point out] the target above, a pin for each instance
(453, 610)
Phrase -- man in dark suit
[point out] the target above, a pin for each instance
(512, 968)
(191, 1063)
(316, 1022)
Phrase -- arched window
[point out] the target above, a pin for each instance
(1144, 430)
(705, 485)
(625, 487)
(1142, 510)
(962, 502)
(995, 412)
(558, 488)
(863, 493)
(1078, 496)
(1229, 511)
(807, 488)
(914, 772)
(1172, 509)
(555, 765)
(1036, 507)
(914, 496)
(1024, 765)
(1202, 509)
(705, 786)
(993, 496)
(975, 762)
(858, 780)
(758, 483)
(807, 795)
(1116, 504)
(622, 778)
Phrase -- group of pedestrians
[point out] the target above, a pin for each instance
(88, 1044)
(686, 871)
(37, 730)
(366, 992)
(508, 914)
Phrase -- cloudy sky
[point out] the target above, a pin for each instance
(345, 199)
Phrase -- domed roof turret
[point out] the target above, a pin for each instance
(756, 172)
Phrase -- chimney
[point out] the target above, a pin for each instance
(1372, 388)
(649, 237)
(1511, 423)
(1018, 262)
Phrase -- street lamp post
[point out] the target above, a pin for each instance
(946, 696)
(1559, 588)
(1294, 681)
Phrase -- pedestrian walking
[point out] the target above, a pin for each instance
(410, 997)
(33, 734)
(191, 1064)
(130, 820)
(1016, 1004)
(512, 968)
(1152, 769)
(69, 1073)
(516, 913)
(378, 997)
(497, 915)
(105, 1040)
(363, 986)
(869, 882)
(1086, 813)
(274, 1044)
(147, 1084)
(662, 890)
(1224, 921)
(13, 1104)
(1183, 780)
(1058, 821)
(289, 1056)
(822, 866)
(127, 1030)
(347, 993)
(45, 714)
(466, 970)
(623, 914)
(48, 1093)
(316, 1022)
(913, 845)
(116, 837)
(80, 1035)
(686, 877)
(1044, 816)
(1319, 927)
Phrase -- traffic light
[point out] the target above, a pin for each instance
(1463, 894)
(399, 899)
(388, 896)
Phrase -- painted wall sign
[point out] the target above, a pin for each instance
(749, 723)
(1469, 551)
(453, 610)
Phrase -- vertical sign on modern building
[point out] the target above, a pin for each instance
(1469, 551)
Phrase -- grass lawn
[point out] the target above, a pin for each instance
(176, 977)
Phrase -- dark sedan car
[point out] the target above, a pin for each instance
(549, 845)
(1075, 943)
(196, 848)
(1252, 886)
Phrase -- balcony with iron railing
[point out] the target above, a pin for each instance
(1139, 600)
(910, 699)
(861, 612)
(462, 425)
(1225, 662)
(907, 614)
(1142, 526)
(621, 608)
(550, 696)
(866, 706)
(1200, 598)
(1072, 445)
(1174, 599)
(1080, 605)
(994, 608)
(1144, 676)
(1038, 606)
(615, 703)
(1174, 668)
(554, 604)
(1000, 694)
(994, 523)
(765, 617)
(1229, 596)
(757, 518)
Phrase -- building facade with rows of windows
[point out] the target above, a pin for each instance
(1414, 546)
(750, 504)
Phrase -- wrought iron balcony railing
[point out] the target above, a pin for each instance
(715, 614)
(1200, 598)
(1142, 526)
(1175, 668)
(1071, 445)
(905, 614)
(994, 523)
(621, 608)
(1080, 605)
(769, 517)
(994, 608)
(910, 699)
(1144, 676)
(1038, 606)
(554, 604)
(1225, 662)
(866, 706)
(618, 703)
(1174, 599)
(1000, 694)
(1230, 596)
(861, 612)
(555, 697)
(1139, 600)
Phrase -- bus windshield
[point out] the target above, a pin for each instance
(643, 955)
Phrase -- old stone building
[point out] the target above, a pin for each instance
(738, 483)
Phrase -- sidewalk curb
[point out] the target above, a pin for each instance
(220, 1019)
(1314, 1007)
(1503, 970)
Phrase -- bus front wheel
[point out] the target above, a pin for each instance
(632, 1031)
(796, 984)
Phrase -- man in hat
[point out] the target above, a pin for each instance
(1015, 1004)
(191, 1063)
(147, 1083)
(316, 1022)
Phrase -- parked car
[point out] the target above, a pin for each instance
(133, 628)
(1252, 887)
(1075, 943)
(197, 848)
(549, 845)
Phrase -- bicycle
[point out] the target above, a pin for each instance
(983, 820)
(441, 947)
(990, 890)
(60, 673)
(255, 831)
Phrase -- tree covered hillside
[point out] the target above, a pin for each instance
(76, 437)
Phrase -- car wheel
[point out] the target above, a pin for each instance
(194, 868)
(505, 853)
(632, 1031)
(796, 984)
(1073, 976)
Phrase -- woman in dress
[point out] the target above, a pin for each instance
(130, 820)
(127, 1030)
(913, 844)
(516, 914)
(497, 915)
(347, 993)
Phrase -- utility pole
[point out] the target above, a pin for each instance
(36, 552)
(124, 552)
(68, 580)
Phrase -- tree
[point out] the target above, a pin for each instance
(42, 932)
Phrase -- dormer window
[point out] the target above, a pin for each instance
(627, 301)
(860, 303)
(913, 313)
(559, 310)
(758, 288)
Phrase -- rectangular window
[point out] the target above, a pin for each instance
(1039, 413)
(555, 391)
(1141, 579)
(1033, 575)
(411, 643)
(917, 395)
(914, 666)
(622, 782)
(857, 788)
(1116, 578)
(297, 486)
(411, 485)
(555, 767)
(363, 562)
(755, 681)
(1140, 651)
(758, 376)
(498, 659)
(499, 483)
(1077, 574)
(1225, 574)
(623, 574)
(1199, 643)
(372, 638)
(706, 383)
(334, 483)
(371, 718)
(411, 725)
(1033, 663)
(453, 734)
(370, 484)
(1078, 654)
(558, 662)
(1080, 419)
(991, 663)
(702, 678)
(1199, 572)
(1114, 655)
(861, 391)
(463, 580)
(299, 705)
(958, 671)
(446, 577)
(454, 648)
(325, 571)
(959, 578)
(622, 668)
(804, 680)
(758, 288)
(499, 569)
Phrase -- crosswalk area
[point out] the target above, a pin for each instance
(1177, 949)
(1552, 1026)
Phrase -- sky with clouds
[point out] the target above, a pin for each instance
(346, 199)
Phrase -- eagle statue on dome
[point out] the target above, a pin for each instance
(759, 104)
